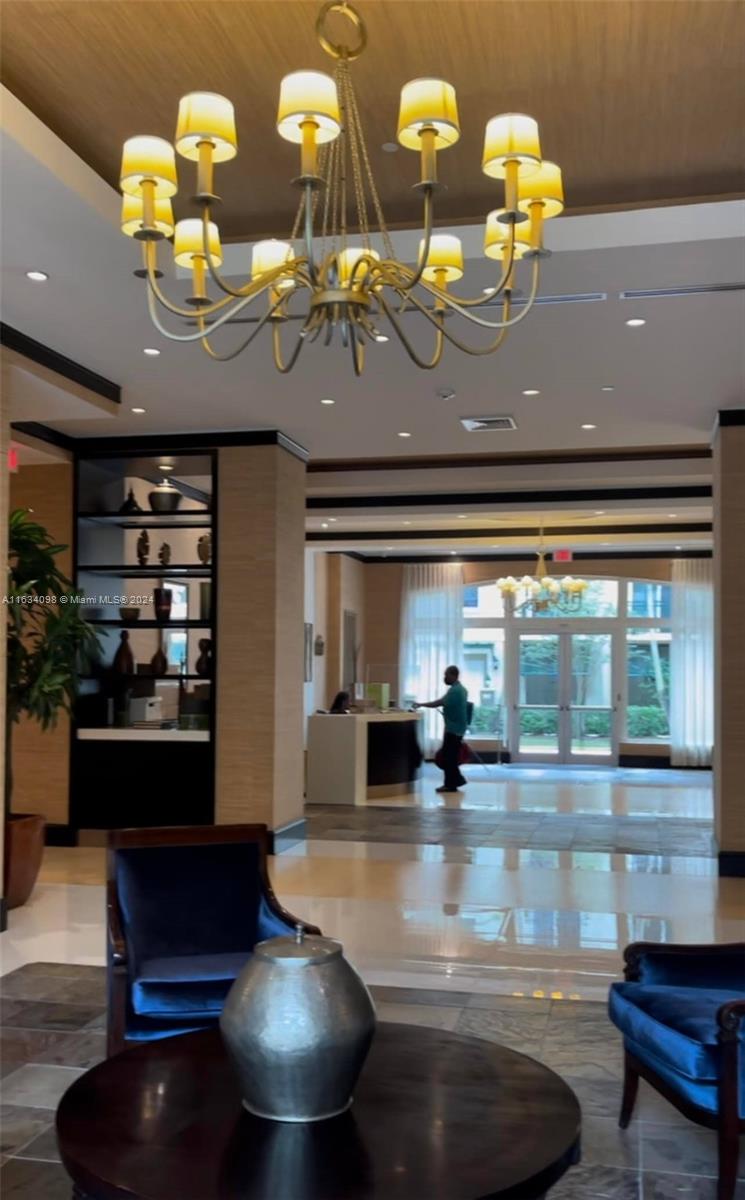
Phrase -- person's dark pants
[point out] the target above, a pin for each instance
(451, 744)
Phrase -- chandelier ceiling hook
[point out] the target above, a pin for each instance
(338, 49)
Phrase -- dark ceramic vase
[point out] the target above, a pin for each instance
(203, 665)
(165, 498)
(162, 598)
(124, 663)
(130, 505)
(159, 662)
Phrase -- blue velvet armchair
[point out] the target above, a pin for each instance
(186, 906)
(681, 1011)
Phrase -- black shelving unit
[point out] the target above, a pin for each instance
(123, 781)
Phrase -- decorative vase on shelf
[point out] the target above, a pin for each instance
(159, 663)
(165, 498)
(164, 555)
(203, 665)
(205, 601)
(204, 548)
(124, 663)
(162, 598)
(130, 505)
(298, 1023)
(143, 548)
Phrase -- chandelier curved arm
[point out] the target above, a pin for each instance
(246, 342)
(440, 294)
(475, 352)
(238, 293)
(192, 314)
(427, 224)
(420, 362)
(284, 368)
(357, 346)
(464, 301)
(154, 289)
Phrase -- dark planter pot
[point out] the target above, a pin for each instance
(162, 598)
(24, 847)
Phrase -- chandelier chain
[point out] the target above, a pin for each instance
(388, 244)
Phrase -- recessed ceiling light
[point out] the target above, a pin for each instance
(608, 388)
(453, 551)
(390, 147)
(381, 337)
(599, 512)
(407, 522)
(489, 291)
(531, 392)
(151, 351)
(389, 547)
(404, 434)
(587, 425)
(165, 467)
(462, 516)
(332, 519)
(636, 322)
(324, 525)
(678, 547)
(446, 393)
(37, 276)
(138, 410)
(328, 401)
(672, 514)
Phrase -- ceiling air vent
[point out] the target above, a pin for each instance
(487, 424)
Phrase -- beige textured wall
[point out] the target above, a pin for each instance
(729, 633)
(259, 718)
(345, 592)
(41, 761)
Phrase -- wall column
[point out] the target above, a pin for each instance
(259, 651)
(729, 632)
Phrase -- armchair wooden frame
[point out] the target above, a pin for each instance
(175, 835)
(727, 1122)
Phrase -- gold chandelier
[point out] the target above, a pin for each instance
(325, 276)
(542, 592)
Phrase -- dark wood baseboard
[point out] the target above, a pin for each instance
(60, 835)
(3, 915)
(732, 863)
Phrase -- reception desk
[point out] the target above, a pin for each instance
(361, 756)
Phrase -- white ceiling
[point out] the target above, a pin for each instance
(670, 377)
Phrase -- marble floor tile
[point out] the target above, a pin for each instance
(43, 1148)
(590, 1181)
(19, 1124)
(681, 1187)
(652, 1108)
(516, 1004)
(59, 989)
(690, 1151)
(45, 1015)
(23, 1179)
(427, 996)
(76, 1050)
(605, 1144)
(597, 1097)
(38, 1086)
(514, 1030)
(581, 1063)
(436, 1016)
(19, 1046)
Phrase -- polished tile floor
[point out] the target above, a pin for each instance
(531, 880)
(52, 1020)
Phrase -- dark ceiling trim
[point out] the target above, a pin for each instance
(43, 433)
(54, 361)
(618, 556)
(731, 416)
(163, 443)
(511, 459)
(504, 531)
(411, 500)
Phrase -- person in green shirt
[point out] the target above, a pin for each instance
(454, 705)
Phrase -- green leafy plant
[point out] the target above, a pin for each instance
(48, 642)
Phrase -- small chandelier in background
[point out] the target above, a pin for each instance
(340, 283)
(542, 592)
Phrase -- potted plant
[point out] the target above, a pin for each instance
(47, 644)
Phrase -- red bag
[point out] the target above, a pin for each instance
(464, 756)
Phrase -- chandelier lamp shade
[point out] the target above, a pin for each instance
(542, 592)
(328, 280)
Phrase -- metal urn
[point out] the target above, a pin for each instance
(298, 1023)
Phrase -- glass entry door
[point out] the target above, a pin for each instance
(564, 711)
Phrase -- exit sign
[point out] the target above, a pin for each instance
(562, 556)
(12, 459)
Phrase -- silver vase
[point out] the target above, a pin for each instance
(298, 1023)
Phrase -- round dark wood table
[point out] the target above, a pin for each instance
(436, 1116)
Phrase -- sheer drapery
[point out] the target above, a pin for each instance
(431, 636)
(692, 664)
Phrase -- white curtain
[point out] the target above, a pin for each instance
(692, 664)
(431, 636)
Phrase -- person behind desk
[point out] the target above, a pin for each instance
(454, 705)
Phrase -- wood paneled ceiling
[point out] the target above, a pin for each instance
(641, 101)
